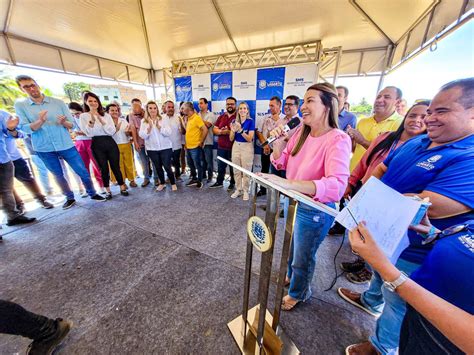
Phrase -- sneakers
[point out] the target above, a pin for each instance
(192, 182)
(133, 183)
(360, 277)
(46, 205)
(20, 220)
(236, 194)
(199, 185)
(365, 348)
(145, 183)
(216, 185)
(98, 198)
(108, 195)
(69, 204)
(353, 266)
(46, 346)
(83, 194)
(354, 298)
(245, 197)
(231, 187)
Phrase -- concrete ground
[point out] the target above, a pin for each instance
(159, 273)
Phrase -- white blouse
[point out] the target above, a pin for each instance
(175, 136)
(156, 139)
(120, 136)
(108, 129)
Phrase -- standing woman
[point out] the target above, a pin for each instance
(316, 160)
(122, 138)
(95, 123)
(242, 131)
(156, 133)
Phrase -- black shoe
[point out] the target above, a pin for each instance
(192, 182)
(124, 192)
(216, 185)
(108, 196)
(69, 204)
(47, 346)
(46, 205)
(337, 229)
(354, 266)
(98, 198)
(362, 277)
(199, 185)
(261, 193)
(145, 183)
(231, 187)
(20, 220)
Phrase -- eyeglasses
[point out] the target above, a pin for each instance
(431, 238)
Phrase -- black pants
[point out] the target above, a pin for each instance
(265, 159)
(23, 174)
(221, 166)
(176, 162)
(162, 159)
(6, 190)
(16, 320)
(418, 336)
(106, 152)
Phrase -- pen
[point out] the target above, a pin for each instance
(361, 236)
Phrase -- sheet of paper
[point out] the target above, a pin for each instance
(386, 212)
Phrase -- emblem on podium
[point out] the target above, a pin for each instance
(259, 234)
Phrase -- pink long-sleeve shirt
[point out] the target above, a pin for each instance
(323, 160)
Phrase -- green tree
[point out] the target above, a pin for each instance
(362, 108)
(74, 90)
(9, 92)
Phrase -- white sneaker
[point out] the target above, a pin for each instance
(236, 194)
(246, 196)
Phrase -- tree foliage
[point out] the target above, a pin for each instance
(9, 92)
(74, 90)
(362, 108)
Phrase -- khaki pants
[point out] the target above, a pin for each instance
(127, 167)
(242, 154)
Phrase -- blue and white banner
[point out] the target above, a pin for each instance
(270, 83)
(183, 89)
(201, 84)
(221, 84)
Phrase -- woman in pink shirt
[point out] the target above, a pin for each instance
(316, 160)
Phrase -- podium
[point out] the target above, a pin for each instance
(256, 330)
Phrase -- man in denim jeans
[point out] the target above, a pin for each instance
(48, 120)
(207, 157)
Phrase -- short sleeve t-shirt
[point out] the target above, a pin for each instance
(247, 126)
(193, 131)
(223, 122)
(447, 170)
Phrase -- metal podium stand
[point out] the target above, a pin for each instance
(256, 330)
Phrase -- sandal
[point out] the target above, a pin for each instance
(287, 305)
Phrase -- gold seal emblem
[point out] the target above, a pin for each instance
(259, 234)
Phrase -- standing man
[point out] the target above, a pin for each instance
(209, 119)
(402, 107)
(176, 137)
(135, 119)
(224, 144)
(384, 119)
(269, 123)
(196, 132)
(346, 118)
(48, 120)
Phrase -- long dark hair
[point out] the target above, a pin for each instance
(328, 95)
(393, 137)
(100, 109)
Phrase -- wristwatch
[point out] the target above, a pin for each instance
(392, 285)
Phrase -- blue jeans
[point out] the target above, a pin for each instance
(221, 166)
(43, 173)
(194, 161)
(311, 226)
(145, 163)
(72, 157)
(387, 330)
(207, 161)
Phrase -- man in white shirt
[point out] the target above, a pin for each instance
(176, 137)
(207, 156)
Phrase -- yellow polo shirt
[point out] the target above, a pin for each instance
(193, 131)
(371, 129)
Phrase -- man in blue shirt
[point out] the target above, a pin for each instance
(48, 120)
(440, 166)
(346, 118)
(6, 178)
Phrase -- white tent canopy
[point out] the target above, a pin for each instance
(141, 40)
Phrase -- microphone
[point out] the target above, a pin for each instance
(293, 123)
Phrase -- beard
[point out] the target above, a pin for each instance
(230, 110)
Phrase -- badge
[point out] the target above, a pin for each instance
(259, 234)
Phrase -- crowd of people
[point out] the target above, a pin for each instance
(423, 304)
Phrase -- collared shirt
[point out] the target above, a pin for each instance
(176, 136)
(247, 126)
(136, 120)
(77, 128)
(4, 156)
(121, 136)
(108, 129)
(223, 122)
(371, 129)
(193, 131)
(347, 118)
(156, 139)
(447, 170)
(51, 137)
(209, 117)
(269, 124)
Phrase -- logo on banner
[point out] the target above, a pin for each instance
(181, 89)
(215, 87)
(262, 84)
(259, 234)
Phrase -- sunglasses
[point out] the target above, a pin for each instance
(431, 238)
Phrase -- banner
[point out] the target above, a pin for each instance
(221, 84)
(201, 84)
(244, 85)
(183, 89)
(270, 83)
(298, 78)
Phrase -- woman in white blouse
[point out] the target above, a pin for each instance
(156, 133)
(95, 123)
(122, 138)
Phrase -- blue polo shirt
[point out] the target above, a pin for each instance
(448, 270)
(247, 126)
(4, 156)
(347, 118)
(51, 137)
(10, 141)
(447, 170)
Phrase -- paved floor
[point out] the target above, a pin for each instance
(159, 273)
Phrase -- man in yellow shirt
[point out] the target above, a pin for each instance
(196, 132)
(384, 119)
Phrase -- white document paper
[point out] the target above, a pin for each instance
(386, 212)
